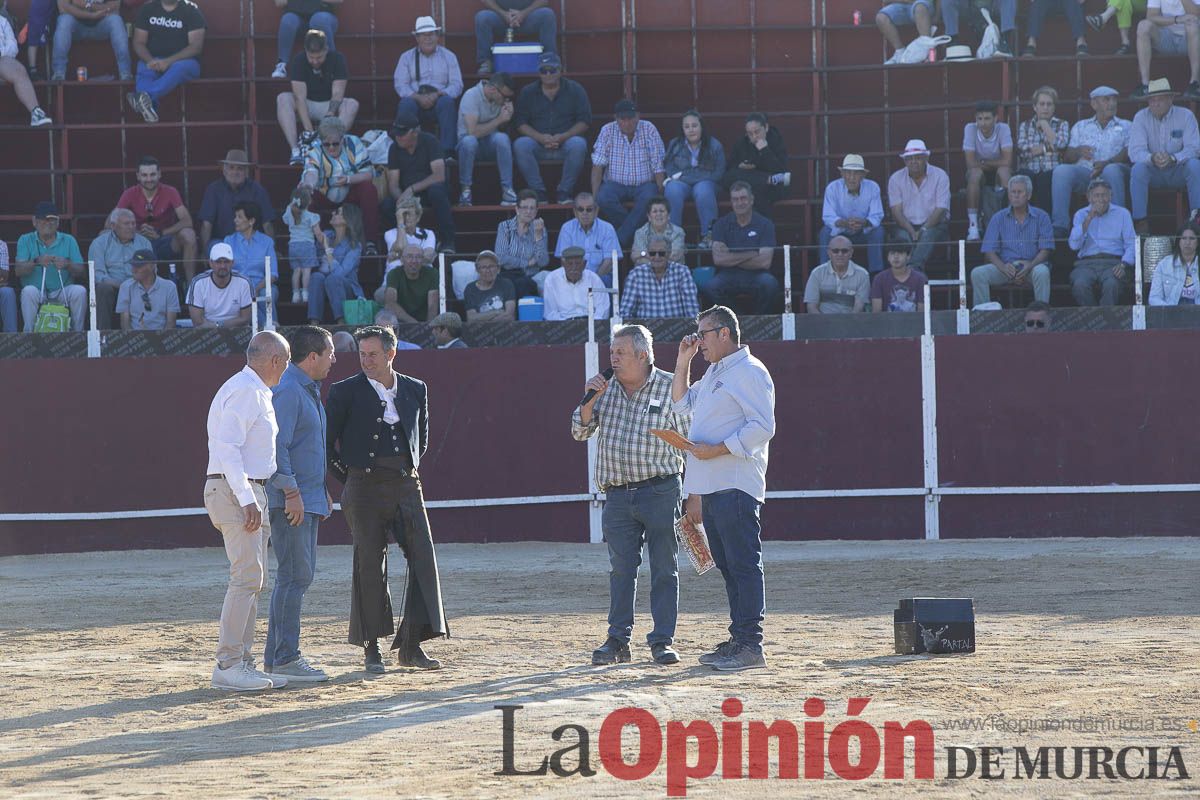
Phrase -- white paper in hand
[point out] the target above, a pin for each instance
(695, 544)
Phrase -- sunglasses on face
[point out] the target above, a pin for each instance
(336, 143)
(841, 250)
(656, 253)
(585, 209)
(1035, 323)
(547, 70)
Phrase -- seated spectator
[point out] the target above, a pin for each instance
(552, 116)
(387, 319)
(987, 147)
(566, 289)
(145, 301)
(99, 21)
(219, 298)
(694, 164)
(168, 38)
(429, 83)
(12, 72)
(1102, 234)
(532, 17)
(49, 264)
(658, 223)
(596, 237)
(919, 198)
(1164, 146)
(522, 246)
(343, 342)
(839, 285)
(1098, 149)
(1040, 144)
(446, 328)
(1071, 9)
(1037, 317)
(337, 277)
(8, 297)
(743, 249)
(484, 112)
(302, 15)
(1171, 28)
(900, 288)
(1004, 14)
(853, 207)
(1177, 276)
(416, 168)
(760, 159)
(408, 215)
(1123, 11)
(252, 250)
(220, 196)
(412, 291)
(338, 170)
(161, 216)
(660, 287)
(491, 297)
(627, 165)
(1018, 245)
(111, 254)
(904, 12)
(319, 78)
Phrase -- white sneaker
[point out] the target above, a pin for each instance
(973, 233)
(38, 118)
(239, 679)
(276, 681)
(300, 671)
(280, 70)
(304, 295)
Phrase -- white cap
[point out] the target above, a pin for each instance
(220, 251)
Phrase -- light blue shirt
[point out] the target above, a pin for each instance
(598, 243)
(1176, 134)
(734, 404)
(1110, 234)
(300, 443)
(1107, 141)
(248, 255)
(840, 204)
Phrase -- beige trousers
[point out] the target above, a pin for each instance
(247, 554)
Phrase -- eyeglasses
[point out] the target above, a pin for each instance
(585, 209)
(146, 301)
(841, 250)
(547, 70)
(336, 143)
(1035, 323)
(702, 331)
(656, 253)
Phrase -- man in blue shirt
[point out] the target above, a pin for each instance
(1018, 244)
(853, 208)
(742, 249)
(251, 249)
(300, 473)
(220, 196)
(1164, 146)
(1103, 235)
(597, 237)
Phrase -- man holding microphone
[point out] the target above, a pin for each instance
(733, 420)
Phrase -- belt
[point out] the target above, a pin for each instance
(655, 481)
(1106, 256)
(216, 476)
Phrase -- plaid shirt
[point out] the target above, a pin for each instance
(1029, 136)
(628, 452)
(629, 163)
(647, 297)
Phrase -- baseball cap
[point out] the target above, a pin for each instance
(404, 122)
(145, 257)
(549, 60)
(45, 210)
(220, 252)
(625, 108)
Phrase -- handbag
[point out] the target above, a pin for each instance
(52, 317)
(991, 37)
(359, 311)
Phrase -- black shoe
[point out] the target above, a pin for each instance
(564, 199)
(1095, 20)
(372, 660)
(370, 249)
(1140, 92)
(664, 654)
(542, 196)
(613, 651)
(447, 248)
(1193, 90)
(1123, 50)
(716, 654)
(415, 657)
(35, 74)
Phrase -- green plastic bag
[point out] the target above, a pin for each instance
(359, 311)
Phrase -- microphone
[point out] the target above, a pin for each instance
(608, 373)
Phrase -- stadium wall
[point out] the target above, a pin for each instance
(103, 435)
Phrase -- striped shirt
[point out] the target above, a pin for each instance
(516, 251)
(648, 297)
(628, 452)
(321, 168)
(629, 163)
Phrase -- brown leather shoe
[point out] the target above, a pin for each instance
(415, 657)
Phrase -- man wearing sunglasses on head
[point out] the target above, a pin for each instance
(338, 170)
(147, 302)
(552, 116)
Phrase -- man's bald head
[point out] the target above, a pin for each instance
(268, 354)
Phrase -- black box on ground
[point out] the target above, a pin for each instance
(935, 625)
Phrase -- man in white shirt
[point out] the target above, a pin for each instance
(566, 289)
(219, 298)
(1171, 28)
(241, 459)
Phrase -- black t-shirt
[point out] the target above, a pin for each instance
(415, 166)
(319, 81)
(169, 29)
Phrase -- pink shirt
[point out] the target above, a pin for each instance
(919, 201)
(159, 212)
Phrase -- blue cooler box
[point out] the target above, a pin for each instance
(516, 59)
(529, 309)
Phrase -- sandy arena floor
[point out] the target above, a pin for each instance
(105, 661)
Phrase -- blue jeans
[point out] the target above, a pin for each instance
(1145, 176)
(157, 86)
(291, 24)
(8, 309)
(927, 237)
(871, 237)
(70, 29)
(338, 288)
(573, 152)
(1070, 178)
(296, 561)
(631, 517)
(489, 25)
(1005, 9)
(703, 193)
(444, 113)
(729, 282)
(495, 146)
(735, 538)
(1071, 9)
(611, 199)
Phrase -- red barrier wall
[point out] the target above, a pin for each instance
(1066, 409)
